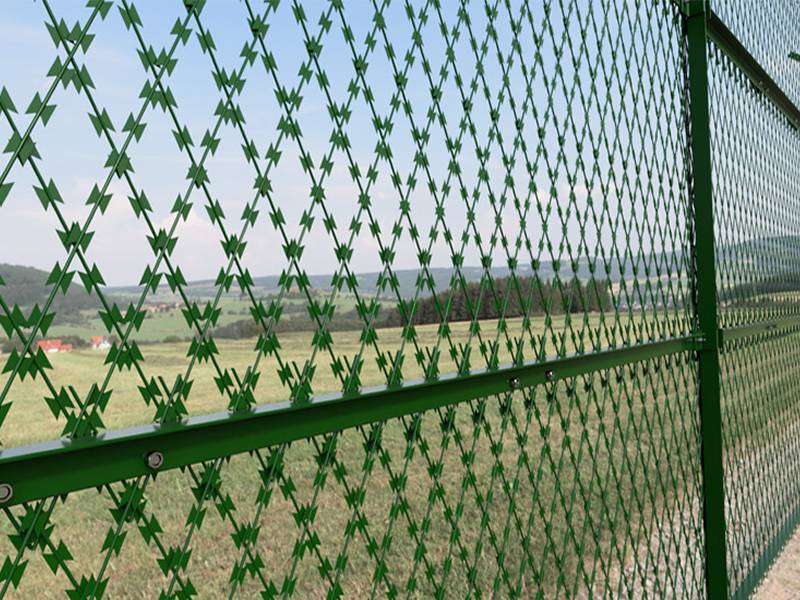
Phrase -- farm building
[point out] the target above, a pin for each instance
(100, 342)
(53, 346)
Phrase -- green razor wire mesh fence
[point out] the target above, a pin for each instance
(397, 298)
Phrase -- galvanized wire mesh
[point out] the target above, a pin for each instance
(528, 164)
(756, 152)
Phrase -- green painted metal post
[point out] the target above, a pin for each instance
(706, 290)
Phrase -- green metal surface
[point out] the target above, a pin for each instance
(706, 298)
(760, 330)
(57, 467)
(555, 354)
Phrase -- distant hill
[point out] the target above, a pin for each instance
(368, 282)
(407, 278)
(767, 261)
(26, 286)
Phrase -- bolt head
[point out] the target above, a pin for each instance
(155, 460)
(514, 383)
(6, 492)
(549, 375)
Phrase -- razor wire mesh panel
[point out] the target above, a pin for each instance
(756, 151)
(267, 203)
(769, 31)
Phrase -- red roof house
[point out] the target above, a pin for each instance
(53, 346)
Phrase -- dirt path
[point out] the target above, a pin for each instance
(782, 582)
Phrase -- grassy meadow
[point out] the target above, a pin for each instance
(595, 478)
(157, 325)
(170, 323)
(30, 420)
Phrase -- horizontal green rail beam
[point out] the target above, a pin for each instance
(724, 38)
(61, 466)
(776, 327)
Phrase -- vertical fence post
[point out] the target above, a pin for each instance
(706, 296)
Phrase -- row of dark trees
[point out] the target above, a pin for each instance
(505, 296)
(778, 284)
(501, 296)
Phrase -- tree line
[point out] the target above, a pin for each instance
(504, 296)
(487, 300)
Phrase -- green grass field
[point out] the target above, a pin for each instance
(30, 420)
(161, 325)
(589, 468)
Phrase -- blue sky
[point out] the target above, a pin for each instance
(74, 157)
